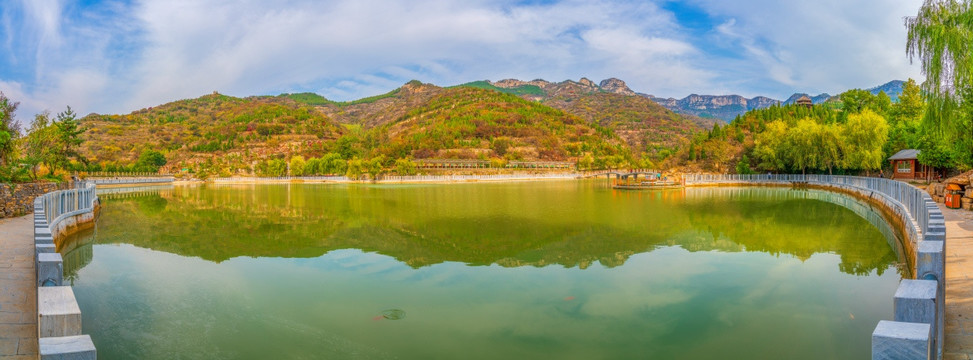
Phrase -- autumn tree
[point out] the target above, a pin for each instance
(768, 147)
(799, 146)
(297, 165)
(405, 167)
(865, 134)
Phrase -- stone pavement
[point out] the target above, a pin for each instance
(18, 291)
(959, 284)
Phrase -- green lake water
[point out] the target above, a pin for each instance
(553, 270)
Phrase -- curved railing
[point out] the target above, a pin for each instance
(58, 314)
(60, 204)
(919, 304)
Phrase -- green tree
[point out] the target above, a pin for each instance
(865, 135)
(297, 165)
(743, 166)
(312, 167)
(586, 161)
(9, 130)
(67, 141)
(405, 167)
(905, 126)
(768, 146)
(910, 105)
(831, 146)
(356, 168)
(40, 142)
(856, 100)
(376, 166)
(940, 36)
(800, 145)
(275, 168)
(150, 161)
(500, 145)
(934, 152)
(333, 163)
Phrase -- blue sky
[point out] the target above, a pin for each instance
(110, 56)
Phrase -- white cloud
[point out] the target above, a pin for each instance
(118, 57)
(828, 45)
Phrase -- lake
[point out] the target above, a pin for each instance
(556, 269)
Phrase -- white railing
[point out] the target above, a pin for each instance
(919, 302)
(131, 180)
(109, 174)
(63, 203)
(58, 315)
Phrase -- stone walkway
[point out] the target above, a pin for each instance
(18, 293)
(959, 284)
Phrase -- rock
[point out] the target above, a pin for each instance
(586, 82)
(940, 189)
(937, 198)
(616, 86)
(961, 179)
(968, 193)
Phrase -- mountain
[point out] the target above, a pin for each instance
(723, 107)
(475, 123)
(504, 121)
(234, 131)
(380, 109)
(727, 107)
(643, 124)
(892, 88)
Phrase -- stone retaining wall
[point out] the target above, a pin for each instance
(18, 199)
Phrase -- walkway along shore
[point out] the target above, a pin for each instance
(18, 290)
(959, 284)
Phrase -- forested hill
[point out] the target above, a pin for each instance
(223, 135)
(233, 132)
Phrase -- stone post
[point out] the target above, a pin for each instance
(77, 347)
(893, 340)
(917, 301)
(50, 269)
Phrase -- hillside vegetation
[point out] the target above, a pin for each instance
(306, 134)
(212, 131)
(854, 134)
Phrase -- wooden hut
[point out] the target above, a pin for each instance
(905, 165)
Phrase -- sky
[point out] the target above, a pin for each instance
(117, 56)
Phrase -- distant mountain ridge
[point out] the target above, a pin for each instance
(698, 107)
(892, 88)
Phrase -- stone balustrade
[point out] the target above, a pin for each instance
(58, 315)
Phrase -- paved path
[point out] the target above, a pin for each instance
(959, 284)
(18, 293)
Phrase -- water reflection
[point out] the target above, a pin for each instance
(564, 223)
(566, 270)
